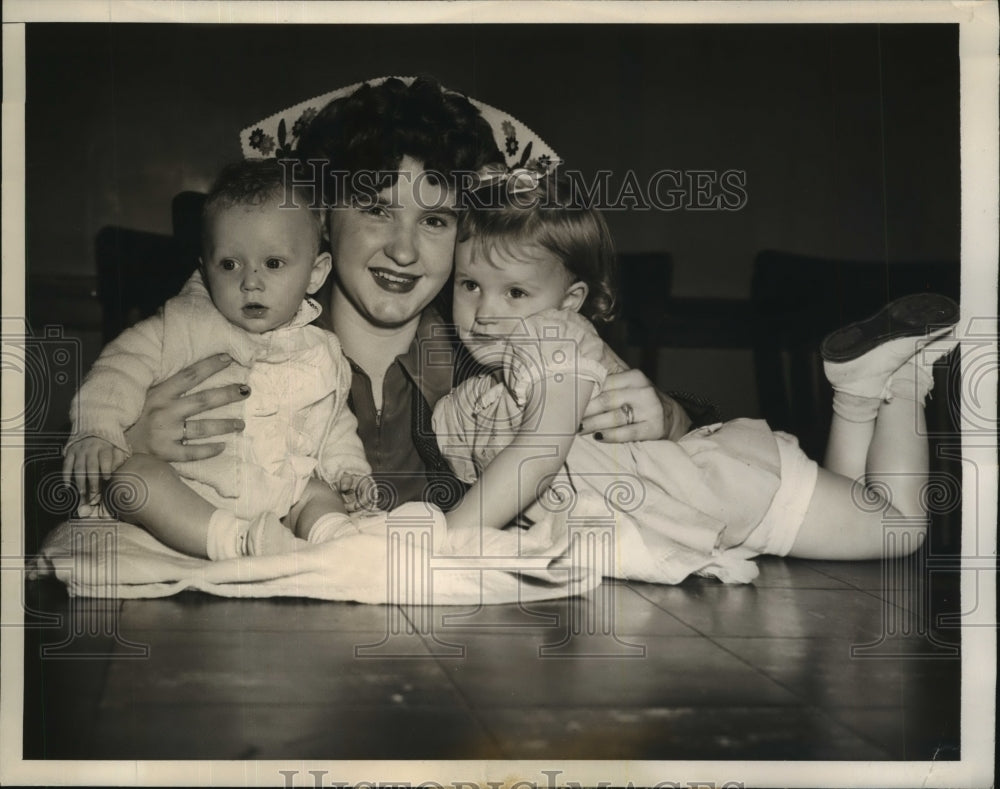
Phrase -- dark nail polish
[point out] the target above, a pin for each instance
(244, 390)
(599, 436)
(579, 427)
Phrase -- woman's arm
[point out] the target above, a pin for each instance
(164, 423)
(656, 415)
(517, 475)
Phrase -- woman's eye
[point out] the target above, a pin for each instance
(374, 209)
(436, 221)
(274, 263)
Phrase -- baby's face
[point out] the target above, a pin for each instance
(493, 293)
(260, 262)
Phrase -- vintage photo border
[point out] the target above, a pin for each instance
(979, 242)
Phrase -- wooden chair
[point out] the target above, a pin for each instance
(138, 271)
(796, 301)
(644, 283)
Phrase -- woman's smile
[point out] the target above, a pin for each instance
(391, 258)
(394, 281)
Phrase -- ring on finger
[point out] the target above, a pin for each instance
(184, 431)
(629, 413)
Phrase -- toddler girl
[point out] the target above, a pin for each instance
(260, 258)
(533, 268)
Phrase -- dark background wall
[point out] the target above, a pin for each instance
(848, 134)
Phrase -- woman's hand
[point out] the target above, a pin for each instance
(163, 426)
(630, 408)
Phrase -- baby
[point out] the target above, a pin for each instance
(533, 269)
(299, 456)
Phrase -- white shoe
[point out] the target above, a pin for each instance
(861, 358)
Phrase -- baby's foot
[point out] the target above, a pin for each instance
(860, 359)
(331, 526)
(268, 536)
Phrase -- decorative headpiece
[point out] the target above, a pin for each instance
(278, 135)
(515, 180)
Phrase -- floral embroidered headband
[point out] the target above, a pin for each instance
(278, 135)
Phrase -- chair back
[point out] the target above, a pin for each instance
(796, 301)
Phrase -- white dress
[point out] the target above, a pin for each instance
(674, 504)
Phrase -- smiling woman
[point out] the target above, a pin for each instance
(831, 124)
(392, 257)
(396, 153)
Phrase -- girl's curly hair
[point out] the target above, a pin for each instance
(553, 216)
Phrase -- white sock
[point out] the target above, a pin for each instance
(855, 408)
(330, 526)
(267, 536)
(227, 536)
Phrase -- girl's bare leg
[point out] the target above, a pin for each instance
(847, 515)
(847, 447)
(898, 458)
(877, 456)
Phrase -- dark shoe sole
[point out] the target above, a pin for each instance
(909, 316)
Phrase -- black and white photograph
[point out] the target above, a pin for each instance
(628, 373)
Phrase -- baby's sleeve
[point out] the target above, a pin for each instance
(341, 451)
(113, 393)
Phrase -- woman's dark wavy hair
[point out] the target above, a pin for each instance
(372, 129)
(553, 216)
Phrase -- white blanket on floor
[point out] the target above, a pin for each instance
(384, 563)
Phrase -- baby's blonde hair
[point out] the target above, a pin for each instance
(252, 182)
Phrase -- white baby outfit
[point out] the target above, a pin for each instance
(298, 424)
(676, 501)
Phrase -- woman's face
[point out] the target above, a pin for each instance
(392, 255)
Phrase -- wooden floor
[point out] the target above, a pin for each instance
(696, 671)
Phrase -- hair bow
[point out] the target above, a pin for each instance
(516, 180)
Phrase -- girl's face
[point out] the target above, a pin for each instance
(259, 262)
(496, 288)
(393, 255)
